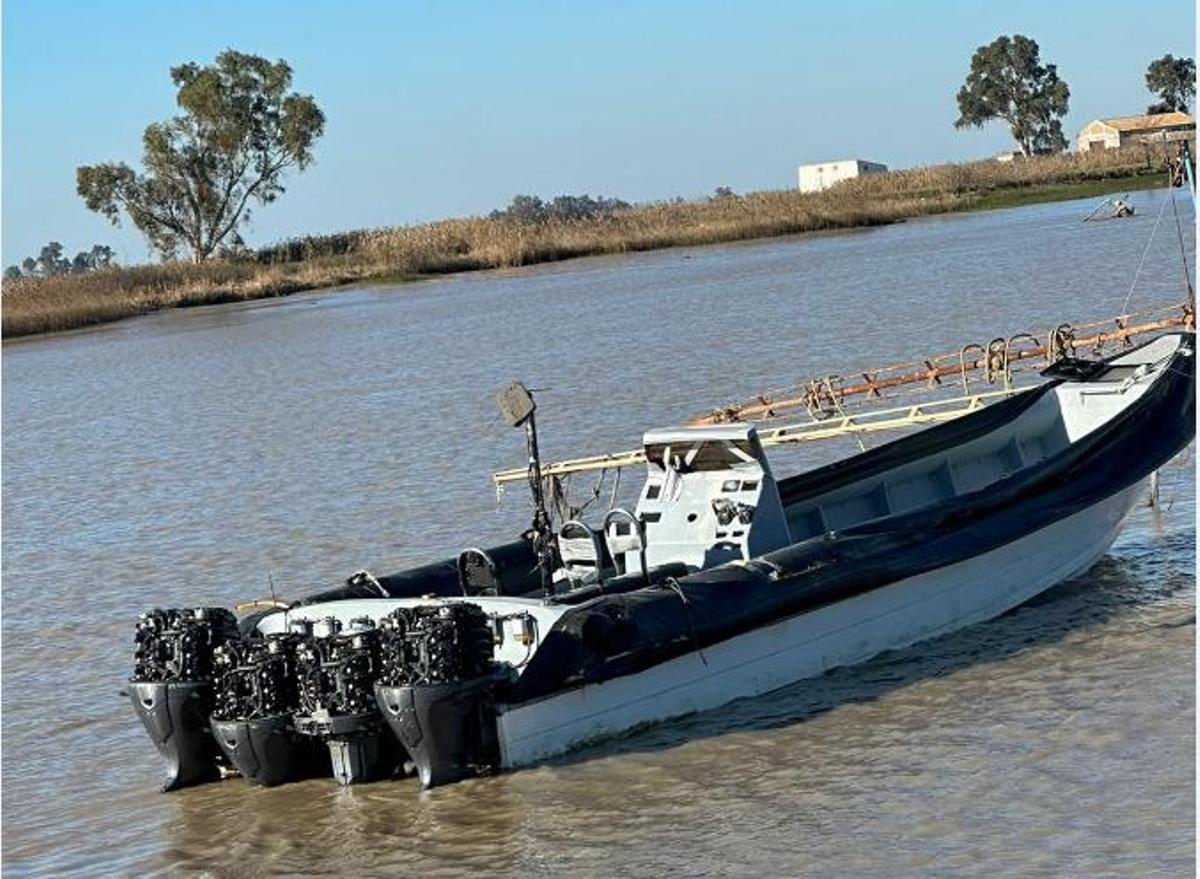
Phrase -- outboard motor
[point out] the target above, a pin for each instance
(336, 671)
(436, 687)
(172, 687)
(256, 698)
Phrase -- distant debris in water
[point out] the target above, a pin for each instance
(1112, 209)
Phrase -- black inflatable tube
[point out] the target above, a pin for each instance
(623, 634)
(516, 571)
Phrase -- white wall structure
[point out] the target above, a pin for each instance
(814, 178)
(1122, 131)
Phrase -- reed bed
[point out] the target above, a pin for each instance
(38, 305)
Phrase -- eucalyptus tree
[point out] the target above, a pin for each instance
(1174, 81)
(240, 130)
(1008, 81)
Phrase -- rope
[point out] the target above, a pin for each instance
(558, 496)
(577, 511)
(671, 584)
(1187, 278)
(1145, 253)
(838, 405)
(1183, 459)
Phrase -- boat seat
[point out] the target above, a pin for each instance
(477, 574)
(581, 551)
(625, 533)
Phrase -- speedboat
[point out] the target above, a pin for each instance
(725, 581)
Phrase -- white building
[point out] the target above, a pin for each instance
(814, 178)
(1123, 131)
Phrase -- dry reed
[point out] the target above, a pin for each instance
(37, 305)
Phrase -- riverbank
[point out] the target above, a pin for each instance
(1017, 198)
(40, 305)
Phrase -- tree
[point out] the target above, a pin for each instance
(1174, 81)
(100, 256)
(50, 261)
(525, 208)
(1008, 81)
(531, 209)
(239, 131)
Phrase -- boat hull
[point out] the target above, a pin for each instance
(808, 644)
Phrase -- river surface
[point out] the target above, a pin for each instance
(200, 456)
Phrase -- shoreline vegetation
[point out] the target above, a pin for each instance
(41, 305)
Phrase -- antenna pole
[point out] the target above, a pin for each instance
(543, 535)
(517, 406)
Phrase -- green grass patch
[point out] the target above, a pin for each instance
(1015, 198)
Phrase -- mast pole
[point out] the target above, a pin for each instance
(543, 537)
(517, 406)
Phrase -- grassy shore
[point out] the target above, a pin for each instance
(39, 305)
(1015, 198)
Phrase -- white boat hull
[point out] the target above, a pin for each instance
(807, 645)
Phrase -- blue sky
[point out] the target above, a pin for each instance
(444, 109)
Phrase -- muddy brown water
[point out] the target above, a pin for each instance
(197, 455)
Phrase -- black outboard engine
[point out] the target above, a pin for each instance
(255, 700)
(436, 686)
(336, 671)
(172, 687)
